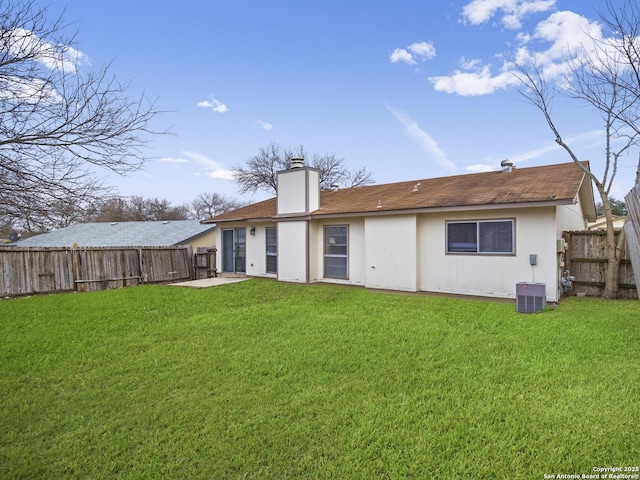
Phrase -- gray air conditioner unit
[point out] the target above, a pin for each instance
(530, 297)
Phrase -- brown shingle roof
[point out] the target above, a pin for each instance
(255, 211)
(552, 183)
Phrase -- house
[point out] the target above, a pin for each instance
(601, 223)
(471, 234)
(127, 234)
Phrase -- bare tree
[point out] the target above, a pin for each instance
(357, 177)
(604, 75)
(33, 212)
(137, 209)
(260, 171)
(111, 209)
(208, 205)
(59, 118)
(153, 209)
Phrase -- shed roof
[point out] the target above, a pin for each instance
(557, 184)
(120, 234)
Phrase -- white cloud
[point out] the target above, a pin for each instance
(481, 11)
(474, 64)
(176, 161)
(213, 168)
(214, 105)
(265, 125)
(567, 32)
(579, 141)
(568, 35)
(564, 33)
(401, 55)
(583, 141)
(425, 50)
(416, 51)
(51, 55)
(473, 83)
(23, 43)
(426, 143)
(31, 90)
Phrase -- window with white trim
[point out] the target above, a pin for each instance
(336, 251)
(481, 236)
(271, 249)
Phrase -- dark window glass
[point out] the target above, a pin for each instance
(496, 237)
(485, 236)
(336, 251)
(271, 249)
(462, 237)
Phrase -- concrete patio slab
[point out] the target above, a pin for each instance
(209, 282)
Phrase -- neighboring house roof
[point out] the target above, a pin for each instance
(120, 234)
(552, 184)
(601, 222)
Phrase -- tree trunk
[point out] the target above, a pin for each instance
(613, 251)
(611, 285)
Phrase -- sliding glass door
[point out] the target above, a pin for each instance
(234, 250)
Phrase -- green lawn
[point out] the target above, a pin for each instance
(263, 380)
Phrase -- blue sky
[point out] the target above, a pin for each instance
(410, 89)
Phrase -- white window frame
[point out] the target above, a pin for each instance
(326, 255)
(477, 250)
(269, 254)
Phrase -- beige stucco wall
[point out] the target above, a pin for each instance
(408, 252)
(356, 250)
(489, 275)
(569, 217)
(292, 251)
(256, 255)
(208, 240)
(257, 250)
(391, 253)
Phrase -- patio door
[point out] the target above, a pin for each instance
(234, 250)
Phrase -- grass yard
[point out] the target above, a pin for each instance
(263, 380)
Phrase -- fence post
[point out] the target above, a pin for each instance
(140, 267)
(567, 253)
(211, 262)
(78, 286)
(191, 261)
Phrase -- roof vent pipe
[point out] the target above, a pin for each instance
(507, 166)
(297, 162)
(335, 186)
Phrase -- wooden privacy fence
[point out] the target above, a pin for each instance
(25, 271)
(204, 263)
(632, 229)
(586, 259)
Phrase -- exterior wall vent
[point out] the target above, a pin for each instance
(530, 297)
(507, 166)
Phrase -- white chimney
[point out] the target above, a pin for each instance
(298, 188)
(298, 195)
